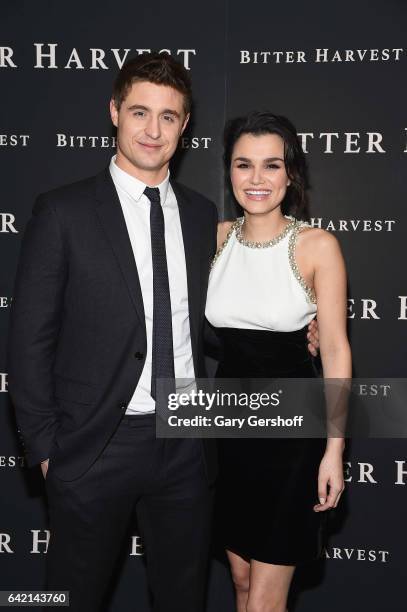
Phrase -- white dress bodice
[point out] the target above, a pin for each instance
(255, 287)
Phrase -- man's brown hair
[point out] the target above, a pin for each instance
(158, 68)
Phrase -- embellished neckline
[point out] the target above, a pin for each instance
(295, 225)
(238, 225)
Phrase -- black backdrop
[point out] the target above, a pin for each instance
(337, 70)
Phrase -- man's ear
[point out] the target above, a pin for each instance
(184, 125)
(114, 113)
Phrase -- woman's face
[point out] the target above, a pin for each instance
(258, 175)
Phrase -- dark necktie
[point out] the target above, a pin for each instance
(162, 347)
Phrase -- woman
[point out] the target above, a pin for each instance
(271, 275)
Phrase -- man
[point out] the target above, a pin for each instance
(91, 332)
(109, 298)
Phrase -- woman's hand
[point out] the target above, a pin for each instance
(330, 480)
(313, 338)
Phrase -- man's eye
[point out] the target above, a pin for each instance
(169, 118)
(138, 113)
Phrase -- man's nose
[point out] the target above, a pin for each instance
(153, 129)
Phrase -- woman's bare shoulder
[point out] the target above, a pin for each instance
(223, 229)
(316, 235)
(318, 241)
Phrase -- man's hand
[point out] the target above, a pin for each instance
(313, 337)
(44, 467)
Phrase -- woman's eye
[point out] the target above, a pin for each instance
(274, 166)
(242, 165)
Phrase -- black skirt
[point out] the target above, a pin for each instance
(267, 487)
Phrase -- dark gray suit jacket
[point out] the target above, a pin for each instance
(77, 342)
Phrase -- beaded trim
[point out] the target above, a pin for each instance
(224, 243)
(268, 243)
(294, 225)
(237, 228)
(310, 293)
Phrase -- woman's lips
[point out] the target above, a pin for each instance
(257, 194)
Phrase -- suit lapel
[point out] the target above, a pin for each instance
(190, 235)
(110, 213)
(111, 217)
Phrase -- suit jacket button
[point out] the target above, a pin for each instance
(138, 355)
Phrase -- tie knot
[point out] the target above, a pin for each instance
(153, 194)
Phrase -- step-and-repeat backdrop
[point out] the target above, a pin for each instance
(338, 71)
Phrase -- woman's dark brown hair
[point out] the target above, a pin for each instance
(259, 123)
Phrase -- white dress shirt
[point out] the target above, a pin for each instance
(136, 210)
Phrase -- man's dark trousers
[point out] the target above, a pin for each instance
(165, 481)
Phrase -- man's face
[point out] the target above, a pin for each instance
(149, 124)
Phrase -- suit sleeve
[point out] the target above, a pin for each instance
(211, 343)
(36, 315)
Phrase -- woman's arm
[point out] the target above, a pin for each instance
(330, 287)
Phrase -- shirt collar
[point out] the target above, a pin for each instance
(133, 186)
